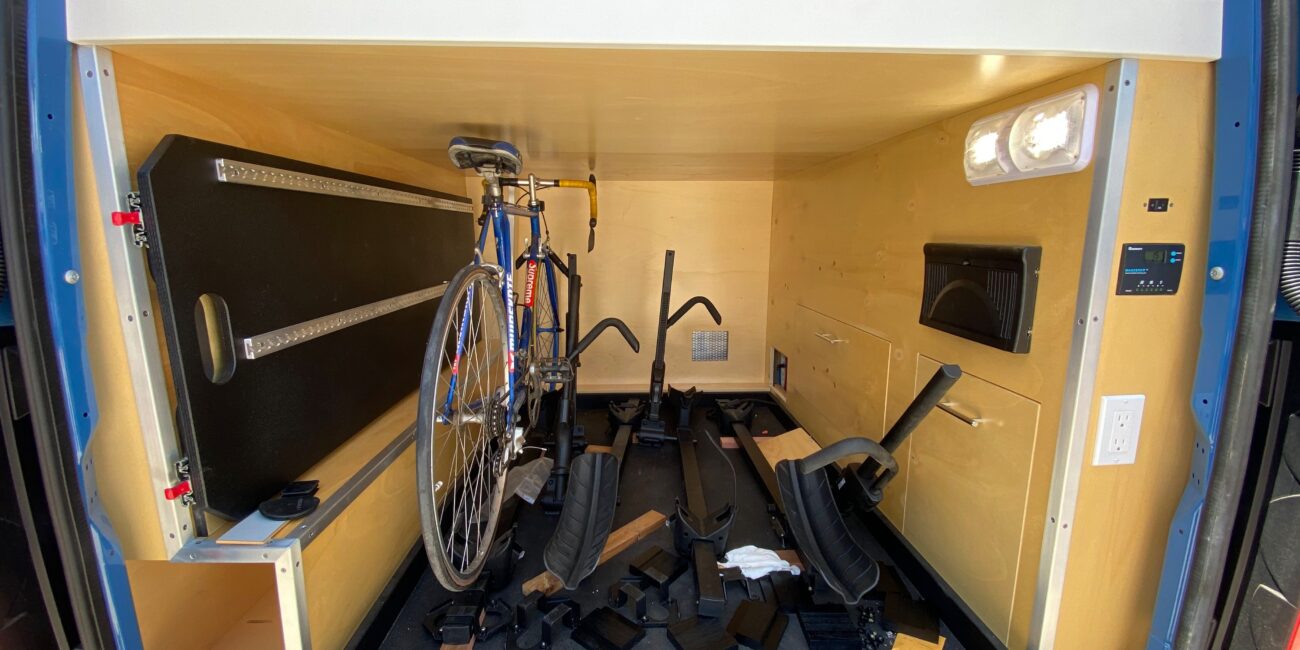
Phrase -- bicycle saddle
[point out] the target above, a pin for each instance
(482, 154)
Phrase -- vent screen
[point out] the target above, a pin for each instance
(709, 346)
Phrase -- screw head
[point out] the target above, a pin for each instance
(71, 277)
(1217, 273)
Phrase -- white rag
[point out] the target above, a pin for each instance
(755, 562)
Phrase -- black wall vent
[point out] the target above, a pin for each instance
(982, 293)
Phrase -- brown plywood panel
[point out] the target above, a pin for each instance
(845, 371)
(966, 491)
(1121, 524)
(637, 114)
(204, 605)
(155, 102)
(791, 445)
(721, 232)
(851, 233)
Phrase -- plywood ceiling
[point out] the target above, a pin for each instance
(629, 114)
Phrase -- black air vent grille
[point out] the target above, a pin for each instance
(982, 293)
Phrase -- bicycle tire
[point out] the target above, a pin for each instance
(485, 480)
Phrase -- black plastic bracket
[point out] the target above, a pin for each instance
(456, 620)
(659, 567)
(695, 634)
(606, 629)
(562, 615)
(758, 625)
(556, 613)
(624, 416)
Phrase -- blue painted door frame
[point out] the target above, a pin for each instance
(1236, 144)
(49, 75)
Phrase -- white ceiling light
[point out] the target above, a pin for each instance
(1045, 137)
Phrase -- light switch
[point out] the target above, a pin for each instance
(1118, 426)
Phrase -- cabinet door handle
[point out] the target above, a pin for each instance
(951, 409)
(829, 338)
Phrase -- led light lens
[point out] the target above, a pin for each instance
(986, 151)
(1054, 135)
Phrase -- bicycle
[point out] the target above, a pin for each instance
(539, 326)
(466, 433)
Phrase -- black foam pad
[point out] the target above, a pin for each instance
(823, 537)
(588, 514)
(285, 508)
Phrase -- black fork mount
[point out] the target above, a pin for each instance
(699, 533)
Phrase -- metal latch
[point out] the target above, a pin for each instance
(131, 218)
(182, 490)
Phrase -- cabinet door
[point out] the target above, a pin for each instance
(841, 373)
(966, 490)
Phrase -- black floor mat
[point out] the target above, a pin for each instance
(651, 478)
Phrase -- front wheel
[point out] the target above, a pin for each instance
(463, 441)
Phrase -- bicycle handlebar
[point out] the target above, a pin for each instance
(589, 185)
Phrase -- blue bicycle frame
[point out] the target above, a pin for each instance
(539, 269)
(496, 215)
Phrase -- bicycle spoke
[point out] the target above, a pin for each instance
(467, 452)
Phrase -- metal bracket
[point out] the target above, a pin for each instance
(182, 472)
(138, 236)
(130, 280)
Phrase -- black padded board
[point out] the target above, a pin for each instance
(280, 257)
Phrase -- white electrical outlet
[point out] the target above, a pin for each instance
(1118, 426)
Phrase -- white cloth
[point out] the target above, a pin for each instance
(755, 562)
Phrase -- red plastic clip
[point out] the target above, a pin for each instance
(176, 491)
(123, 218)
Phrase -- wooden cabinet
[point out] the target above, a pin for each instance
(967, 487)
(841, 373)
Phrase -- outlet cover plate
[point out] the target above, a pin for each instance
(1118, 426)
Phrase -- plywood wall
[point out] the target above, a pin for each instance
(851, 261)
(1148, 347)
(850, 258)
(721, 232)
(153, 104)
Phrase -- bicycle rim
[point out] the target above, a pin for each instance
(462, 428)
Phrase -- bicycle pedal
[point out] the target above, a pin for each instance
(555, 370)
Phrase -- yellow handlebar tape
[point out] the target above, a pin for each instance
(591, 193)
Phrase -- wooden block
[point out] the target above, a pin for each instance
(598, 449)
(792, 556)
(790, 445)
(904, 642)
(619, 541)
